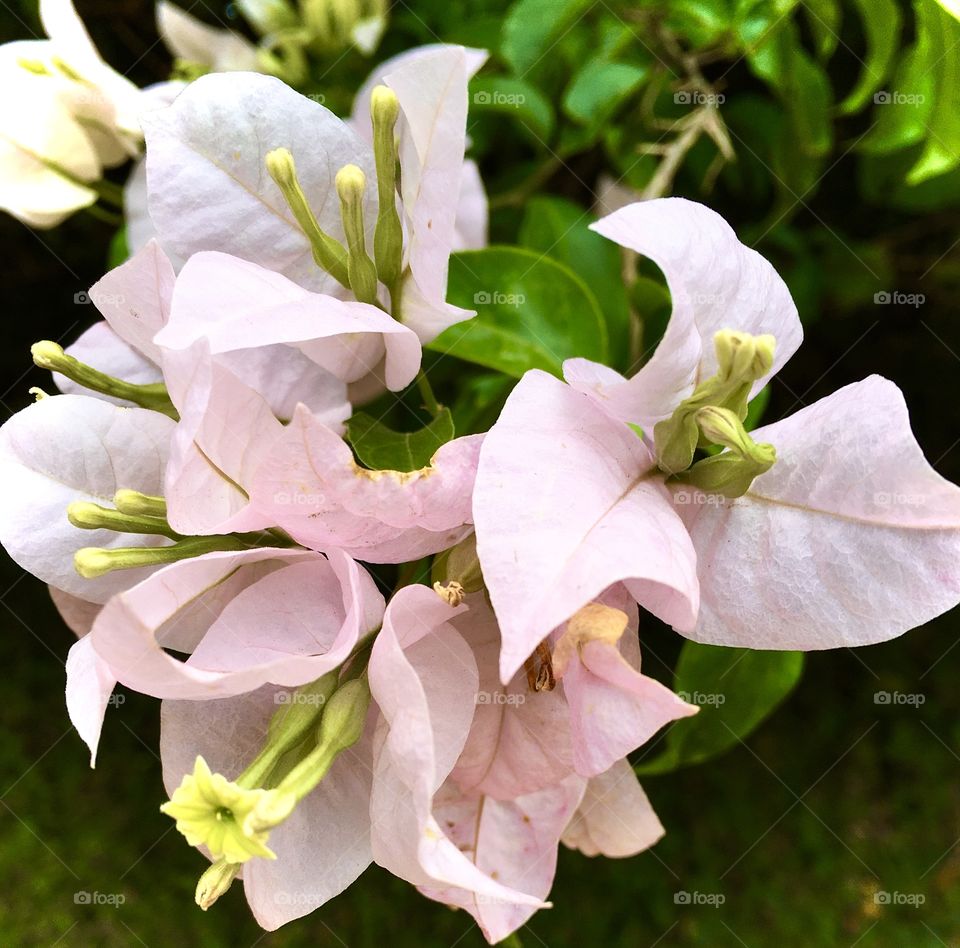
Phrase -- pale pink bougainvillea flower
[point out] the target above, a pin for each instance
(376, 802)
(246, 619)
(431, 85)
(423, 677)
(851, 538)
(67, 448)
(535, 769)
(323, 846)
(208, 190)
(246, 314)
(312, 487)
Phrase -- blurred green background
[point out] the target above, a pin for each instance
(836, 823)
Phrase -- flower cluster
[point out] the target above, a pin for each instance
(209, 533)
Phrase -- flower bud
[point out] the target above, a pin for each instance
(328, 253)
(388, 235)
(351, 184)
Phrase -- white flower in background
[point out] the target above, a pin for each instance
(64, 116)
(196, 43)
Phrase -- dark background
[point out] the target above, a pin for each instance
(833, 800)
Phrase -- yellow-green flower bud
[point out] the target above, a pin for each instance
(139, 505)
(741, 360)
(732, 472)
(328, 253)
(49, 355)
(215, 882)
(90, 516)
(351, 184)
(91, 562)
(388, 235)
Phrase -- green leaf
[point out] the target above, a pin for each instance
(904, 114)
(560, 229)
(382, 449)
(775, 54)
(942, 149)
(881, 25)
(532, 312)
(480, 400)
(118, 252)
(515, 98)
(532, 27)
(736, 689)
(599, 89)
(823, 17)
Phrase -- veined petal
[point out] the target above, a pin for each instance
(288, 621)
(613, 708)
(68, 448)
(236, 305)
(134, 298)
(850, 539)
(423, 678)
(715, 282)
(209, 188)
(514, 841)
(615, 818)
(565, 505)
(322, 847)
(312, 488)
(519, 740)
(226, 430)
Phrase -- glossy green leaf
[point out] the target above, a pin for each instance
(533, 27)
(599, 89)
(380, 448)
(516, 99)
(532, 312)
(942, 146)
(776, 55)
(561, 229)
(881, 26)
(736, 689)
